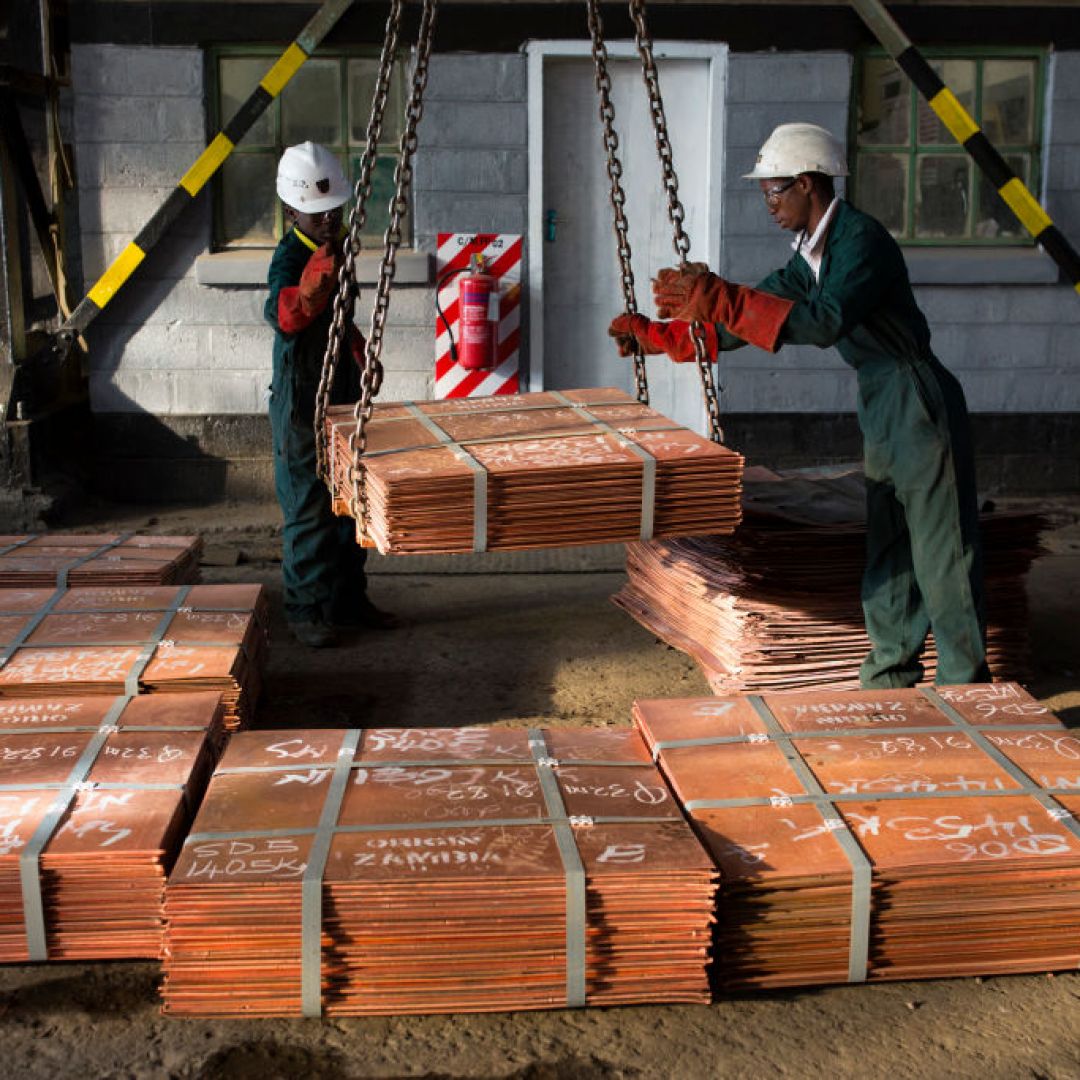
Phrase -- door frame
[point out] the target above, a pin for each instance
(705, 248)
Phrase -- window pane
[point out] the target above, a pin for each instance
(311, 104)
(239, 75)
(882, 189)
(1008, 100)
(942, 194)
(378, 204)
(959, 77)
(993, 216)
(362, 75)
(248, 198)
(884, 105)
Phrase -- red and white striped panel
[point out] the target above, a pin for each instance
(503, 254)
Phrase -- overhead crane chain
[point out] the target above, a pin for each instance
(347, 292)
(617, 194)
(675, 207)
(371, 377)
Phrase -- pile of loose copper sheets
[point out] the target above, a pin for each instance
(884, 835)
(468, 869)
(531, 471)
(131, 639)
(53, 559)
(777, 605)
(95, 797)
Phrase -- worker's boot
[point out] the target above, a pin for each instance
(316, 635)
(361, 614)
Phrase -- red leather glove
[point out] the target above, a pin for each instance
(318, 281)
(673, 338)
(692, 293)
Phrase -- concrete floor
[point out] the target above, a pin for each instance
(548, 648)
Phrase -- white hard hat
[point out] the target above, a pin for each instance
(309, 179)
(799, 148)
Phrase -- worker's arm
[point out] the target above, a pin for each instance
(292, 307)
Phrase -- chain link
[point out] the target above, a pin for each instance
(371, 377)
(675, 207)
(346, 294)
(617, 194)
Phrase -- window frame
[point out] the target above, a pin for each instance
(913, 152)
(346, 149)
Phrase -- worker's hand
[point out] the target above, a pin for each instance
(632, 335)
(319, 279)
(673, 288)
(673, 338)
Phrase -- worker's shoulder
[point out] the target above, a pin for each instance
(290, 256)
(854, 224)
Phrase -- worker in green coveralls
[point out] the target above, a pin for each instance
(847, 285)
(322, 565)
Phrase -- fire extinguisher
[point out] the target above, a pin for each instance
(478, 298)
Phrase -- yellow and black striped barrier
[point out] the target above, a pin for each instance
(208, 162)
(971, 137)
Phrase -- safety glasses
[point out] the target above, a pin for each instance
(772, 195)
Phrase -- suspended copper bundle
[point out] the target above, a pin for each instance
(95, 796)
(530, 471)
(436, 870)
(29, 561)
(777, 605)
(135, 639)
(879, 835)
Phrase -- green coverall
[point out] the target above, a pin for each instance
(322, 565)
(923, 557)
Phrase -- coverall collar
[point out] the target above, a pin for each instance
(812, 248)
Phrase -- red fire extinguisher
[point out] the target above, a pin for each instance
(478, 297)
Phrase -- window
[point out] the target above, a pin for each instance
(914, 177)
(328, 100)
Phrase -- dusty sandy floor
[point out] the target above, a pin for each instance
(547, 648)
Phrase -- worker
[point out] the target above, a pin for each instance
(322, 566)
(847, 285)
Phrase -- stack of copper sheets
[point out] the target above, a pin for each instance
(95, 797)
(135, 639)
(777, 605)
(884, 835)
(436, 870)
(531, 471)
(29, 561)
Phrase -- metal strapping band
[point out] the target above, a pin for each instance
(311, 887)
(1051, 805)
(866, 796)
(77, 730)
(861, 868)
(838, 733)
(18, 544)
(29, 857)
(420, 763)
(531, 436)
(573, 867)
(648, 463)
(131, 682)
(400, 826)
(480, 474)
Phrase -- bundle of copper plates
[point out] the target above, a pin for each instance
(894, 834)
(530, 471)
(436, 870)
(135, 639)
(777, 605)
(29, 561)
(95, 797)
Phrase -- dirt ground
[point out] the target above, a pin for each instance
(544, 647)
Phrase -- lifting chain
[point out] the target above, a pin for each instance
(618, 195)
(675, 208)
(371, 377)
(346, 294)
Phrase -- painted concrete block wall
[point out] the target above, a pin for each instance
(169, 346)
(766, 89)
